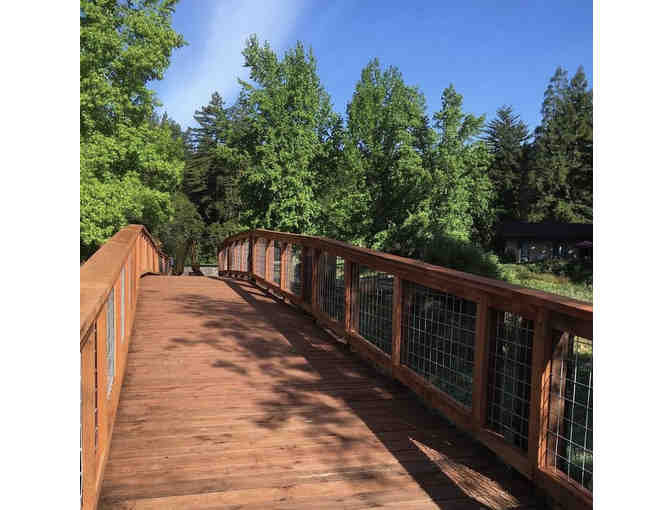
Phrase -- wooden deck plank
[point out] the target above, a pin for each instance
(234, 400)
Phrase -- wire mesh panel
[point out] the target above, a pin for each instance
(331, 286)
(438, 335)
(111, 317)
(510, 377)
(123, 303)
(277, 261)
(245, 255)
(260, 260)
(308, 276)
(570, 424)
(131, 277)
(293, 269)
(95, 390)
(371, 309)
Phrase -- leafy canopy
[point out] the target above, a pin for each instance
(130, 161)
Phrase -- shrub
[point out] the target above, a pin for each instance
(461, 255)
(509, 257)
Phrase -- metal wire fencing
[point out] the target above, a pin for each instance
(277, 261)
(438, 335)
(510, 378)
(111, 344)
(331, 286)
(260, 259)
(244, 255)
(293, 269)
(232, 257)
(570, 424)
(371, 307)
(308, 276)
(122, 278)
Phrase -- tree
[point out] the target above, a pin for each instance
(387, 131)
(506, 137)
(130, 163)
(180, 235)
(288, 120)
(456, 206)
(562, 173)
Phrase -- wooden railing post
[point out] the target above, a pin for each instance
(88, 425)
(250, 255)
(479, 403)
(397, 310)
(283, 266)
(541, 356)
(268, 260)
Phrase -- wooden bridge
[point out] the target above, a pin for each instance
(314, 374)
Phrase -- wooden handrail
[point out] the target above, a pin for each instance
(536, 316)
(108, 296)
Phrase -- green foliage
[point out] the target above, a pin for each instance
(288, 124)
(216, 161)
(108, 205)
(123, 45)
(461, 255)
(385, 118)
(562, 173)
(184, 229)
(506, 137)
(130, 161)
(577, 270)
(401, 183)
(531, 277)
(462, 192)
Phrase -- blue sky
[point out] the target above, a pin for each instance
(494, 52)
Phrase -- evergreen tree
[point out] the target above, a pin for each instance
(562, 173)
(212, 175)
(458, 195)
(506, 137)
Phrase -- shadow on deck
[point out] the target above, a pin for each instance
(234, 400)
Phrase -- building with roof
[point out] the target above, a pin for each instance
(529, 242)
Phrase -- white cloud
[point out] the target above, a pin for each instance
(220, 63)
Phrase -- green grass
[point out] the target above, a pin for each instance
(521, 274)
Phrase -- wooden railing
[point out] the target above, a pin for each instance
(108, 296)
(511, 366)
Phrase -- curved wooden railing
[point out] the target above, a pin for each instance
(108, 296)
(511, 366)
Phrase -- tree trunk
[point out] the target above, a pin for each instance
(195, 264)
(180, 257)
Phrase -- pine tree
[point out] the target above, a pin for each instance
(562, 171)
(506, 137)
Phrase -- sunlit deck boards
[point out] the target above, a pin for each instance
(232, 400)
